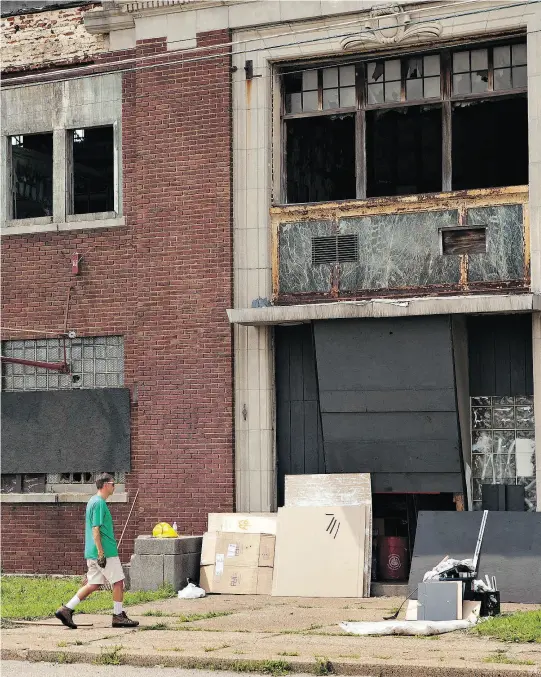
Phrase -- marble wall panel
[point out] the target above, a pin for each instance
(297, 274)
(504, 258)
(399, 250)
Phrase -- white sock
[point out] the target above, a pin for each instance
(74, 601)
(117, 608)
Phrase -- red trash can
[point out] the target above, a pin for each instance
(393, 558)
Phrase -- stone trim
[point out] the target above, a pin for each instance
(19, 229)
(121, 497)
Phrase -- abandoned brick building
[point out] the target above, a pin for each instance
(250, 239)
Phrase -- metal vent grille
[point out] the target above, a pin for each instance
(335, 249)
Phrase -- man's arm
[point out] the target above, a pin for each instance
(96, 535)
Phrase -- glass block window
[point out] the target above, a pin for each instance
(95, 361)
(503, 445)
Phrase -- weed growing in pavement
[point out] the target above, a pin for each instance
(63, 658)
(111, 656)
(208, 649)
(323, 666)
(501, 657)
(288, 653)
(156, 626)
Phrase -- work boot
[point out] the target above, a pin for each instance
(122, 621)
(65, 615)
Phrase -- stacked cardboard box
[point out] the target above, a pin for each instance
(237, 563)
(324, 537)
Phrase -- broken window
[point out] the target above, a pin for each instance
(490, 143)
(321, 158)
(32, 175)
(93, 170)
(403, 150)
(431, 122)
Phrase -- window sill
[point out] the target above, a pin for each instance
(19, 227)
(74, 497)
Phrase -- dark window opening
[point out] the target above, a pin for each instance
(321, 159)
(335, 249)
(490, 143)
(93, 170)
(26, 484)
(464, 240)
(403, 151)
(32, 175)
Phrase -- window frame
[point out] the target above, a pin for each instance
(61, 219)
(446, 100)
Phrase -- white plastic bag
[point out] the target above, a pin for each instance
(191, 591)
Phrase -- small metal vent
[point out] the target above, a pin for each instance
(335, 249)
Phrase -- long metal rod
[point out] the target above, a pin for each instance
(123, 530)
(62, 367)
(479, 540)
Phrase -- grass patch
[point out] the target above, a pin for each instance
(288, 653)
(28, 598)
(110, 657)
(190, 618)
(502, 658)
(208, 649)
(323, 666)
(522, 626)
(155, 626)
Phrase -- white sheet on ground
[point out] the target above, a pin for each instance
(406, 627)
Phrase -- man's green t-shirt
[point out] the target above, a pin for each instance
(98, 515)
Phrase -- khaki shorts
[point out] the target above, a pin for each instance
(112, 572)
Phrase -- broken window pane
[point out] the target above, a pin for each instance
(479, 81)
(490, 143)
(502, 78)
(347, 97)
(502, 56)
(375, 93)
(321, 159)
(403, 151)
(375, 71)
(93, 170)
(32, 175)
(347, 76)
(520, 76)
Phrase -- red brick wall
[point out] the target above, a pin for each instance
(164, 282)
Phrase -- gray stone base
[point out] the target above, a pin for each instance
(165, 560)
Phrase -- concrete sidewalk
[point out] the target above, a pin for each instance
(264, 634)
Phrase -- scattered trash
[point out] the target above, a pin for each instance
(191, 591)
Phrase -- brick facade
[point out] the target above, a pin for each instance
(164, 282)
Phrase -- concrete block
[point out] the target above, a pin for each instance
(177, 568)
(147, 545)
(126, 570)
(146, 572)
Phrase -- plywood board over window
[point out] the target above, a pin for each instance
(320, 552)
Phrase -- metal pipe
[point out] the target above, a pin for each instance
(61, 367)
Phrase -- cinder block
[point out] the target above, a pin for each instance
(146, 572)
(126, 570)
(147, 545)
(177, 568)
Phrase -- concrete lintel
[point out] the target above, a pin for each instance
(58, 498)
(504, 303)
(22, 229)
(105, 21)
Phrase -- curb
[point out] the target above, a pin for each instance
(261, 666)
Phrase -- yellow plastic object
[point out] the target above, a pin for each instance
(164, 530)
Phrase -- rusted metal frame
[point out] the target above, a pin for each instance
(526, 236)
(478, 197)
(320, 113)
(477, 288)
(490, 64)
(275, 255)
(360, 135)
(499, 94)
(464, 259)
(283, 161)
(446, 121)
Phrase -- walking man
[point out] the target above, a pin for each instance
(102, 559)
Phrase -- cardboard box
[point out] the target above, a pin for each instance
(246, 550)
(236, 580)
(243, 523)
(320, 552)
